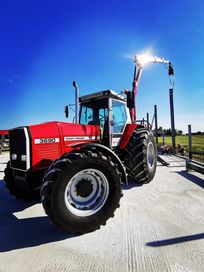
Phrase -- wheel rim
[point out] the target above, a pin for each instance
(150, 155)
(87, 192)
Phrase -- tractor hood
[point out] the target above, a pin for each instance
(36, 146)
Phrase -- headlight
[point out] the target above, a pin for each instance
(23, 157)
(14, 157)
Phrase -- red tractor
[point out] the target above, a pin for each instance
(79, 167)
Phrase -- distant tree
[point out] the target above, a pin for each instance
(168, 132)
(199, 133)
(160, 128)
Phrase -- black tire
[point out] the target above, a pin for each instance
(25, 192)
(140, 156)
(60, 190)
(9, 179)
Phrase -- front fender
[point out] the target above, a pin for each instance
(105, 150)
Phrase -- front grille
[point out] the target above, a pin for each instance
(50, 151)
(18, 148)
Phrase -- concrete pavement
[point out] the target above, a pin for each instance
(159, 227)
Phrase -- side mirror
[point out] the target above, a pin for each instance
(66, 110)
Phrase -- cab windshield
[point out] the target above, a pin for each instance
(94, 113)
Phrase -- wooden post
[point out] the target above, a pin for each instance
(189, 142)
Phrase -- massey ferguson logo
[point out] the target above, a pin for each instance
(46, 140)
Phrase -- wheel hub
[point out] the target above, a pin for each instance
(86, 192)
(84, 188)
(150, 155)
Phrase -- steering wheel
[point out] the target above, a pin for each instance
(101, 117)
(118, 125)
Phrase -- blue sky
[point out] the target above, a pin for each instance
(45, 45)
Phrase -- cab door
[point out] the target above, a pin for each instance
(119, 120)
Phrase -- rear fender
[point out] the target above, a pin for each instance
(126, 135)
(129, 129)
(108, 152)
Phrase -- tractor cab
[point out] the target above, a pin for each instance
(108, 110)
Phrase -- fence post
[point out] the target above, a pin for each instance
(148, 120)
(173, 134)
(163, 135)
(189, 142)
(156, 124)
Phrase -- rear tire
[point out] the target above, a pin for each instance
(140, 156)
(81, 191)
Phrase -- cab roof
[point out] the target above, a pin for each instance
(100, 95)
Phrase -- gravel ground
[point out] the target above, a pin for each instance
(159, 227)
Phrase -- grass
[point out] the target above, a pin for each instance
(197, 142)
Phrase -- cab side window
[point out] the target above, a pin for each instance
(119, 116)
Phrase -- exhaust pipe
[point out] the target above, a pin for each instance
(76, 102)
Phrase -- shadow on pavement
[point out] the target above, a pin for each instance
(198, 181)
(131, 184)
(21, 233)
(176, 240)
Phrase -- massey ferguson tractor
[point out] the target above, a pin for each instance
(79, 167)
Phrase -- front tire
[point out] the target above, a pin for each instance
(9, 179)
(140, 156)
(28, 190)
(81, 191)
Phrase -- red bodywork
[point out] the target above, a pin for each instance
(51, 140)
(4, 132)
(126, 135)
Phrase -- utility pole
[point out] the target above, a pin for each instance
(156, 123)
(148, 120)
(173, 133)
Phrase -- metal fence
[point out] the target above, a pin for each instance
(195, 151)
(188, 146)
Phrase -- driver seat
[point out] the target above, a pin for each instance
(95, 122)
